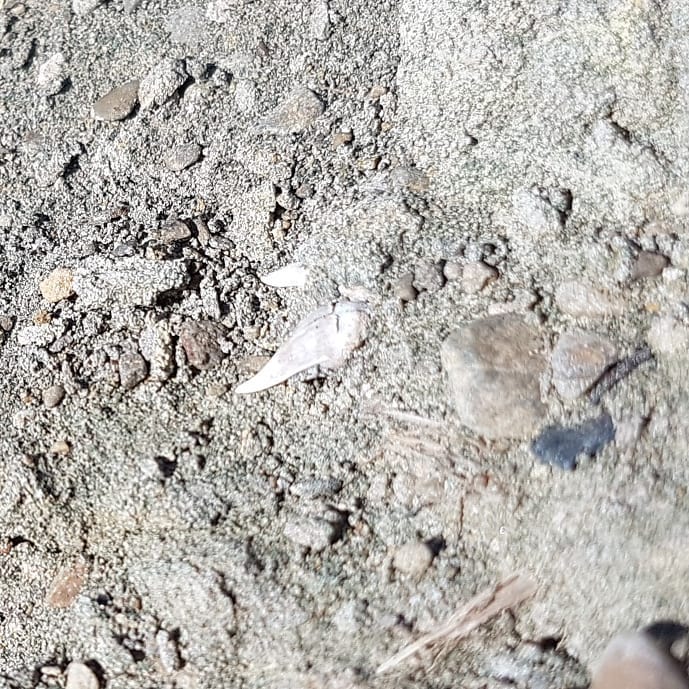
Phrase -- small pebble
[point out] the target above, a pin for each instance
(493, 367)
(319, 24)
(66, 585)
(341, 139)
(428, 276)
(168, 652)
(162, 82)
(453, 270)
(301, 108)
(477, 275)
(404, 289)
(413, 559)
(201, 343)
(312, 533)
(60, 447)
(578, 299)
(50, 78)
(173, 231)
(118, 103)
(52, 396)
(578, 361)
(132, 368)
(57, 285)
(182, 157)
(187, 25)
(648, 264)
(155, 343)
(80, 676)
(316, 487)
(561, 445)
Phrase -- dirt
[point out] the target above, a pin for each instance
(168, 532)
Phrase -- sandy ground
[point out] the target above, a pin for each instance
(439, 163)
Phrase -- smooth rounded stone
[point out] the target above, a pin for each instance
(648, 264)
(494, 367)
(57, 285)
(636, 661)
(162, 82)
(669, 336)
(51, 78)
(52, 396)
(300, 109)
(578, 299)
(81, 676)
(201, 343)
(182, 157)
(118, 103)
(578, 360)
(404, 289)
(453, 270)
(83, 7)
(319, 24)
(133, 369)
(476, 275)
(412, 559)
(428, 277)
(316, 487)
(311, 532)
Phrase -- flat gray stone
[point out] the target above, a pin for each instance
(300, 109)
(182, 157)
(493, 367)
(578, 361)
(118, 103)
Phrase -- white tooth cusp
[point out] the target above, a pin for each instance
(324, 338)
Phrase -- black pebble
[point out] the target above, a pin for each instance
(561, 445)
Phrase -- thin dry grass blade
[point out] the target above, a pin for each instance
(476, 612)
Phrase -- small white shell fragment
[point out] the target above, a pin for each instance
(635, 661)
(325, 338)
(291, 275)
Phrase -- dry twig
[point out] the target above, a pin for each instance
(476, 612)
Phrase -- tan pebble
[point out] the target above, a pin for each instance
(634, 661)
(81, 676)
(41, 318)
(57, 285)
(578, 360)
(404, 288)
(60, 447)
(66, 585)
(413, 559)
(341, 138)
(476, 276)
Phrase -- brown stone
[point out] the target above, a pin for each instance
(66, 585)
(201, 343)
(494, 367)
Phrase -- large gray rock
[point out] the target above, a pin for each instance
(493, 366)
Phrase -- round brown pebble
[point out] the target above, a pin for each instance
(57, 285)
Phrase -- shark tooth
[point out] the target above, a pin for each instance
(324, 338)
(291, 275)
